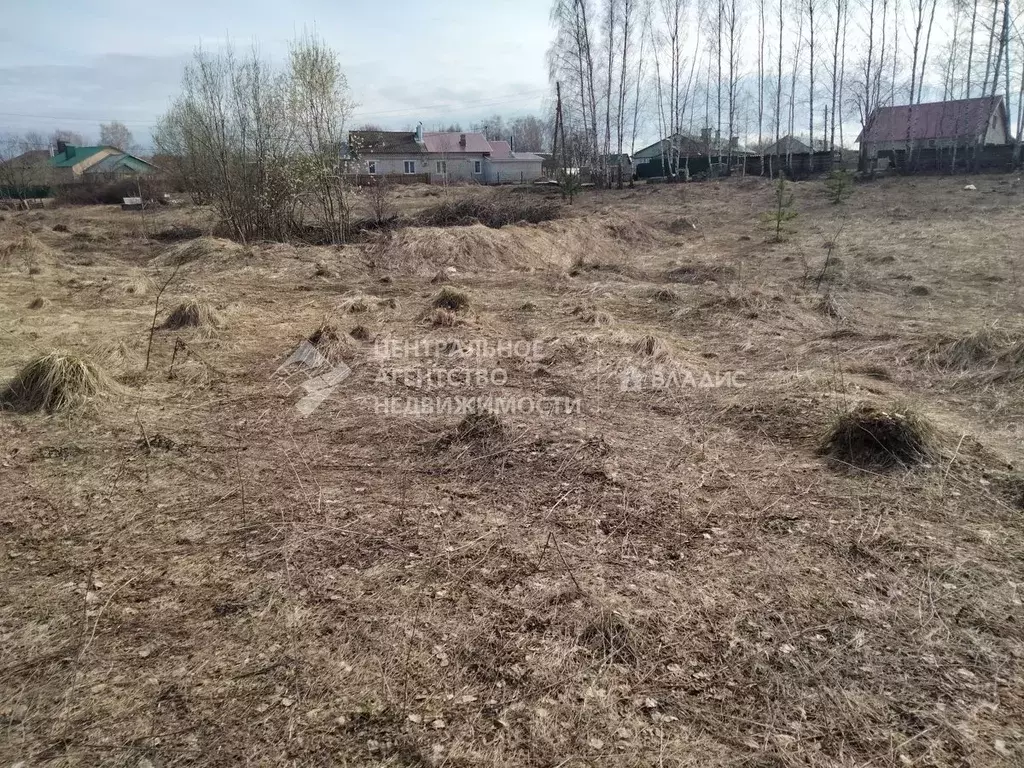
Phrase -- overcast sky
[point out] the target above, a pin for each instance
(74, 63)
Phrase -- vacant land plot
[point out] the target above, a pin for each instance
(629, 487)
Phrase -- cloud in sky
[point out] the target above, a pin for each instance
(74, 65)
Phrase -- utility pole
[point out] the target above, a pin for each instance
(567, 183)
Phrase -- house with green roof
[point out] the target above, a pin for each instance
(74, 163)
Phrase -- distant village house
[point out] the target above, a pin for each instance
(963, 124)
(439, 157)
(74, 163)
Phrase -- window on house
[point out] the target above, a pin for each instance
(371, 166)
(476, 166)
(442, 166)
(410, 166)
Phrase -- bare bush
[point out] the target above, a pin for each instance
(262, 144)
(379, 196)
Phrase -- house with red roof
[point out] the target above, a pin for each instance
(962, 124)
(443, 155)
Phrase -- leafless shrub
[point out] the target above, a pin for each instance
(261, 143)
(380, 198)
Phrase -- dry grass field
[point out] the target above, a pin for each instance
(647, 561)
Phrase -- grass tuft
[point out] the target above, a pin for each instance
(868, 437)
(450, 299)
(329, 342)
(191, 314)
(610, 637)
(599, 319)
(479, 425)
(650, 346)
(830, 306)
(56, 382)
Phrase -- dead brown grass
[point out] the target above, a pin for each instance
(25, 252)
(668, 574)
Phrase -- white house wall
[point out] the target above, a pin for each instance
(996, 133)
(460, 166)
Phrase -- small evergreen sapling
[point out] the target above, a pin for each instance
(776, 220)
(839, 186)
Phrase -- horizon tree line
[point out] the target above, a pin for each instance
(723, 71)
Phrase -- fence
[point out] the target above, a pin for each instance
(794, 166)
(365, 179)
(923, 160)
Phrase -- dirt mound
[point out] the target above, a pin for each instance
(495, 212)
(200, 249)
(553, 244)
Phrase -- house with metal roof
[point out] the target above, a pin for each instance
(679, 148)
(441, 155)
(787, 145)
(937, 125)
(74, 163)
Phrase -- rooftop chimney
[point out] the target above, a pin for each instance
(419, 133)
(734, 142)
(512, 144)
(462, 140)
(61, 147)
